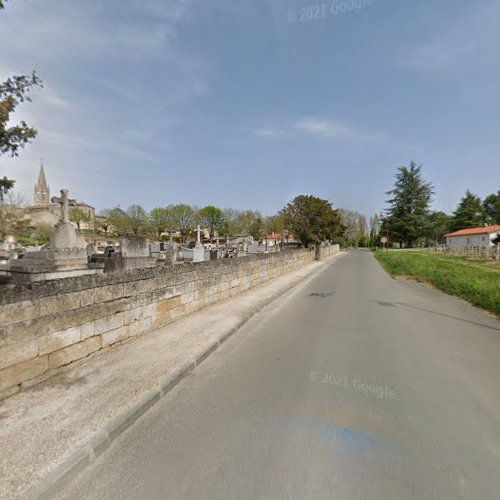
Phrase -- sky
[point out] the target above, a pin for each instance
(248, 103)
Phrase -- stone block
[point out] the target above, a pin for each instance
(58, 340)
(59, 303)
(168, 304)
(178, 312)
(108, 293)
(14, 375)
(109, 323)
(114, 336)
(74, 352)
(87, 330)
(87, 297)
(18, 353)
(162, 319)
(18, 312)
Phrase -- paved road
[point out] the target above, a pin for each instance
(354, 386)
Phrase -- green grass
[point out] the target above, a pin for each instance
(473, 280)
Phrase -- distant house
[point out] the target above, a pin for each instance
(271, 240)
(476, 237)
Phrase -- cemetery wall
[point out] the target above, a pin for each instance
(47, 325)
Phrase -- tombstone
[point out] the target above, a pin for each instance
(198, 250)
(134, 247)
(170, 253)
(65, 256)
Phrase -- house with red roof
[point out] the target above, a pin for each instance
(475, 237)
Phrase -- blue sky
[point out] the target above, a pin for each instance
(230, 103)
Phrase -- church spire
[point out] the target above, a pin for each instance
(42, 193)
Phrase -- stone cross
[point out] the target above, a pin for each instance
(198, 230)
(65, 203)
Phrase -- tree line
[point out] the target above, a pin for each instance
(308, 219)
(409, 220)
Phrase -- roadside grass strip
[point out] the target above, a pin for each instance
(474, 282)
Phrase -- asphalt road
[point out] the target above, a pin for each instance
(353, 386)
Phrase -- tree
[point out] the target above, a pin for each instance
(78, 216)
(469, 213)
(363, 234)
(491, 206)
(311, 219)
(182, 218)
(119, 221)
(5, 186)
(374, 230)
(101, 222)
(212, 218)
(256, 228)
(13, 92)
(159, 219)
(138, 220)
(238, 222)
(354, 228)
(438, 226)
(274, 224)
(409, 205)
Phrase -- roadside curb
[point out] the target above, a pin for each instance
(53, 482)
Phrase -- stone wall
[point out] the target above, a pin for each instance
(44, 326)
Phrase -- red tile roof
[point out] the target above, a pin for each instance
(475, 230)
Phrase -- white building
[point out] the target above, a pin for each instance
(476, 237)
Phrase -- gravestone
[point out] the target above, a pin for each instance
(65, 256)
(198, 250)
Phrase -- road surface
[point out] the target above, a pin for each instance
(353, 386)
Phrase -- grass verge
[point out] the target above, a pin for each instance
(479, 284)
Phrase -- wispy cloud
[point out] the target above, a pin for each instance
(269, 132)
(321, 128)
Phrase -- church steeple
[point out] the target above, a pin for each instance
(42, 193)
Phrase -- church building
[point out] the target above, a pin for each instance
(43, 211)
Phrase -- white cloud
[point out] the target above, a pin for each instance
(321, 127)
(269, 132)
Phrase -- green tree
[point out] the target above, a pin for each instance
(119, 221)
(409, 205)
(374, 230)
(101, 222)
(238, 222)
(182, 218)
(312, 220)
(5, 186)
(78, 216)
(257, 228)
(354, 228)
(438, 226)
(363, 233)
(159, 218)
(13, 92)
(138, 220)
(274, 224)
(491, 206)
(469, 213)
(212, 218)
